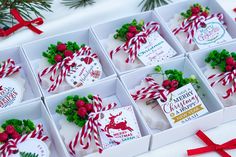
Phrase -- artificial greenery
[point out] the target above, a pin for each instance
(151, 4)
(52, 50)
(77, 3)
(218, 59)
(27, 8)
(189, 12)
(21, 126)
(122, 32)
(69, 109)
(25, 154)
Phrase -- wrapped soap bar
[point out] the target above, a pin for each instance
(68, 66)
(28, 139)
(219, 74)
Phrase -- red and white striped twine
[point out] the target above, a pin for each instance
(191, 25)
(91, 128)
(61, 69)
(153, 91)
(225, 78)
(133, 45)
(8, 68)
(10, 147)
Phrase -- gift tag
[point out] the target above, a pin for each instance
(183, 105)
(120, 123)
(11, 92)
(86, 71)
(32, 147)
(155, 50)
(212, 34)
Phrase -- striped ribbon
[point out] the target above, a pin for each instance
(153, 91)
(61, 69)
(10, 147)
(133, 45)
(91, 128)
(8, 68)
(224, 79)
(191, 25)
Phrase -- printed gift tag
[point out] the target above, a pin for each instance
(183, 105)
(120, 123)
(87, 70)
(155, 50)
(212, 34)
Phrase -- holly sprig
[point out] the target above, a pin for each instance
(74, 107)
(57, 52)
(129, 30)
(196, 9)
(224, 60)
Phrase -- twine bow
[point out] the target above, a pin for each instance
(10, 147)
(22, 23)
(133, 45)
(91, 128)
(192, 24)
(211, 146)
(225, 78)
(8, 68)
(61, 69)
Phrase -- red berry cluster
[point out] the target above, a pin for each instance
(83, 108)
(62, 48)
(9, 133)
(197, 10)
(230, 64)
(170, 85)
(132, 31)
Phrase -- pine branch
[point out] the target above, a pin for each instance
(151, 4)
(77, 3)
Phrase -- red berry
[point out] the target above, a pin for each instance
(68, 53)
(166, 83)
(195, 10)
(80, 103)
(88, 60)
(172, 89)
(3, 137)
(205, 14)
(234, 65)
(82, 112)
(229, 68)
(61, 47)
(133, 29)
(129, 35)
(58, 58)
(89, 107)
(10, 129)
(230, 61)
(234, 9)
(15, 135)
(174, 83)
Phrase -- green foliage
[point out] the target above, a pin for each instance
(188, 13)
(121, 33)
(151, 4)
(69, 109)
(218, 59)
(77, 3)
(25, 154)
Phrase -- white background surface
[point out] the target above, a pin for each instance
(63, 20)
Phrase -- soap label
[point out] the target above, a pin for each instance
(87, 70)
(120, 123)
(212, 34)
(155, 50)
(183, 105)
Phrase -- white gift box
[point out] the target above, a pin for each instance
(36, 111)
(32, 92)
(198, 59)
(35, 49)
(167, 12)
(210, 120)
(103, 30)
(112, 91)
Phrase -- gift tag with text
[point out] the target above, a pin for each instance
(183, 105)
(213, 33)
(119, 123)
(155, 50)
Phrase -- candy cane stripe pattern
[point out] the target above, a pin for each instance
(10, 146)
(61, 69)
(225, 79)
(133, 45)
(191, 25)
(84, 136)
(153, 91)
(8, 68)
